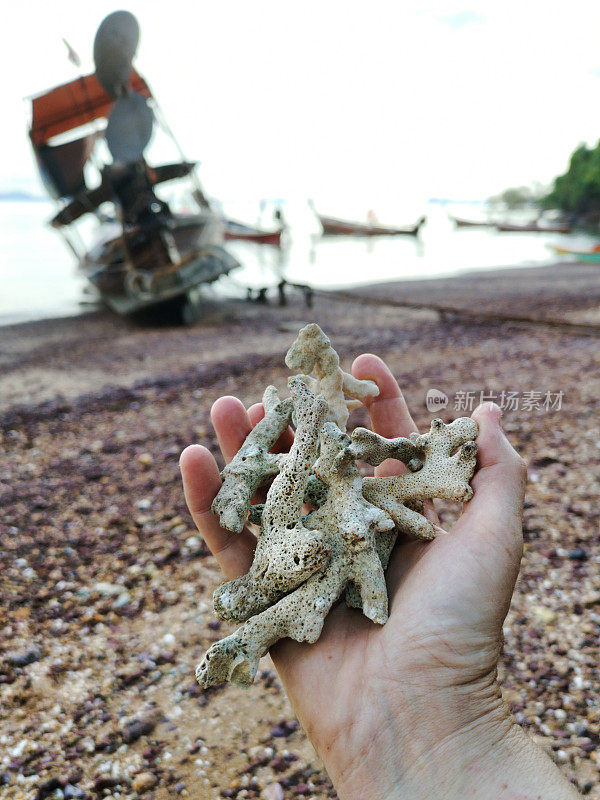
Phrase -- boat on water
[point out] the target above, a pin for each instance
(333, 226)
(238, 231)
(471, 223)
(591, 255)
(89, 138)
(533, 227)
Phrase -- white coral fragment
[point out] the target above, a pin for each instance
(314, 356)
(448, 456)
(286, 552)
(253, 465)
(304, 561)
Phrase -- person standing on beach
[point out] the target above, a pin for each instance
(413, 709)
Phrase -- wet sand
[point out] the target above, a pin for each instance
(105, 588)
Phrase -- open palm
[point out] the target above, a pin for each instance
(435, 659)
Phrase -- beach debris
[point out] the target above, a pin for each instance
(305, 561)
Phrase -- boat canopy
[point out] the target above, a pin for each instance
(74, 104)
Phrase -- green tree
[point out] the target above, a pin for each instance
(578, 190)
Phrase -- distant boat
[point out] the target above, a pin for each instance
(591, 256)
(471, 223)
(533, 227)
(237, 231)
(332, 226)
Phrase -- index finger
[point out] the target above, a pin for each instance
(388, 411)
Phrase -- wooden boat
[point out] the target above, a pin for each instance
(468, 223)
(332, 226)
(533, 227)
(237, 231)
(591, 256)
(142, 255)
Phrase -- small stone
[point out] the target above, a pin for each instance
(544, 614)
(168, 639)
(273, 791)
(22, 658)
(122, 600)
(193, 543)
(590, 599)
(144, 504)
(578, 554)
(137, 728)
(146, 460)
(107, 589)
(71, 792)
(144, 781)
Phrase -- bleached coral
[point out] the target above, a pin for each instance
(253, 464)
(304, 562)
(286, 552)
(314, 356)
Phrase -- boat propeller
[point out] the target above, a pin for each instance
(131, 119)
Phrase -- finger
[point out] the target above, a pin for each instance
(231, 425)
(494, 514)
(285, 441)
(201, 482)
(388, 413)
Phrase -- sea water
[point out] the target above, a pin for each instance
(39, 278)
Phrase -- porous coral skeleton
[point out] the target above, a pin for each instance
(303, 563)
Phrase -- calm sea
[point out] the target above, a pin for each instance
(39, 277)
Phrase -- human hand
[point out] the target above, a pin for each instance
(392, 708)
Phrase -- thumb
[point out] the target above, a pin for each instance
(495, 514)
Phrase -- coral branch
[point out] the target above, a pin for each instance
(287, 552)
(447, 453)
(314, 356)
(253, 465)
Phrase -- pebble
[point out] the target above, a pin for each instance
(107, 589)
(71, 792)
(273, 791)
(578, 554)
(22, 658)
(138, 727)
(144, 781)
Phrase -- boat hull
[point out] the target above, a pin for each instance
(237, 232)
(589, 256)
(332, 226)
(533, 227)
(142, 269)
(469, 223)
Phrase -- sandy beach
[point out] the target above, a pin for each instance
(105, 601)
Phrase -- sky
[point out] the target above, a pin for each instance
(343, 102)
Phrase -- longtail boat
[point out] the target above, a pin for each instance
(471, 223)
(332, 226)
(592, 255)
(237, 231)
(142, 254)
(533, 227)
